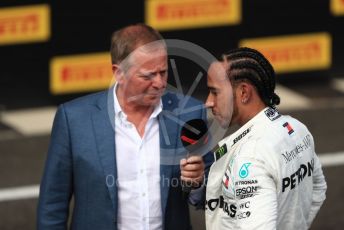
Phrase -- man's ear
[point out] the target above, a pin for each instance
(117, 72)
(245, 92)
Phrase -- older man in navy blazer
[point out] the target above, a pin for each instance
(117, 152)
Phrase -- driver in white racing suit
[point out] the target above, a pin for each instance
(266, 174)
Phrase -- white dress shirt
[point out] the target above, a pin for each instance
(138, 170)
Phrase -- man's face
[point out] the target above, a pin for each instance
(220, 98)
(145, 80)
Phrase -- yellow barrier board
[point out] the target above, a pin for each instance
(80, 73)
(295, 53)
(337, 7)
(24, 24)
(181, 14)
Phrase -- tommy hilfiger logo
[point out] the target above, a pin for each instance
(288, 126)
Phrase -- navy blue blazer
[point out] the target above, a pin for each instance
(81, 163)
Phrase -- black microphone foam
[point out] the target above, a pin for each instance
(194, 134)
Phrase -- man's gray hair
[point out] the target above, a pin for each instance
(126, 40)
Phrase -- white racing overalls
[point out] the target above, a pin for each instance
(266, 176)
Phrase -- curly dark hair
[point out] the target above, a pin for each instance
(247, 64)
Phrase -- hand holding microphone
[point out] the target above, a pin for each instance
(192, 172)
(194, 137)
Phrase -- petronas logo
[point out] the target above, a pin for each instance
(243, 172)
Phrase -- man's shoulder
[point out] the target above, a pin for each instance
(280, 134)
(286, 126)
(87, 101)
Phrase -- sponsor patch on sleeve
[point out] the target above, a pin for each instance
(288, 127)
(247, 186)
(220, 152)
(243, 172)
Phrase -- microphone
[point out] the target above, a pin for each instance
(194, 135)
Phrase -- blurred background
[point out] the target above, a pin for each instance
(54, 51)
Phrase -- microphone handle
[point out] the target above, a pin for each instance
(186, 187)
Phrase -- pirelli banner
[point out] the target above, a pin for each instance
(337, 7)
(80, 73)
(24, 24)
(60, 49)
(293, 53)
(184, 14)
